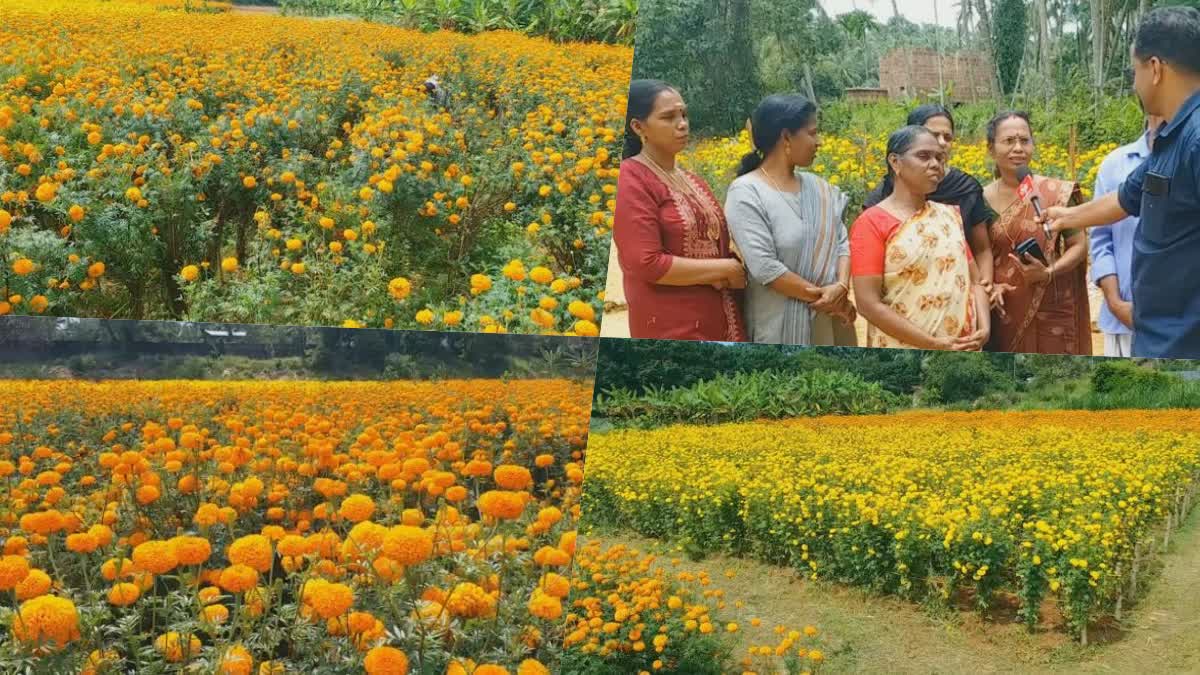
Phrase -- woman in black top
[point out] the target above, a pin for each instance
(957, 189)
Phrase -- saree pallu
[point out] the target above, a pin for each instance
(927, 276)
(1051, 318)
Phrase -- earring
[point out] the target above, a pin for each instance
(787, 148)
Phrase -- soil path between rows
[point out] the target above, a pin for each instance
(864, 633)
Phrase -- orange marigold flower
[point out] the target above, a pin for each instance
(555, 585)
(82, 542)
(34, 584)
(238, 578)
(292, 545)
(357, 508)
(468, 600)
(47, 620)
(253, 550)
(545, 606)
(148, 494)
(328, 599)
(124, 594)
(236, 661)
(502, 504)
(532, 667)
(513, 477)
(155, 556)
(191, 550)
(549, 556)
(173, 648)
(13, 570)
(385, 660)
(408, 545)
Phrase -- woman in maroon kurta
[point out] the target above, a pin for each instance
(682, 280)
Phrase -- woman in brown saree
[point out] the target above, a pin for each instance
(1044, 307)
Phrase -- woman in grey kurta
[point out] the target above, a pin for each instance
(788, 229)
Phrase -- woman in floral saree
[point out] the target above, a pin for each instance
(915, 279)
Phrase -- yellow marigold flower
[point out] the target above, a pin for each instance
(23, 266)
(172, 647)
(46, 192)
(452, 318)
(424, 317)
(581, 310)
(586, 328)
(250, 182)
(229, 264)
(515, 270)
(190, 273)
(480, 283)
(76, 212)
(95, 270)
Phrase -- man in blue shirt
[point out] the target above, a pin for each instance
(1164, 190)
(1112, 245)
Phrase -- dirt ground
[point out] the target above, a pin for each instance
(615, 322)
(862, 633)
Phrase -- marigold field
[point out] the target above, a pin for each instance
(160, 163)
(287, 527)
(1041, 511)
(857, 164)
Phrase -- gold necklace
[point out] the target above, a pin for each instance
(677, 180)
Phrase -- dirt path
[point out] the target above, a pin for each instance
(615, 322)
(870, 634)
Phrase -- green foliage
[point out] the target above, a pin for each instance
(1008, 41)
(953, 377)
(707, 50)
(609, 21)
(1113, 375)
(749, 396)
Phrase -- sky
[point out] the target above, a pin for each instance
(917, 11)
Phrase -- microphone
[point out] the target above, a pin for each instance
(1025, 189)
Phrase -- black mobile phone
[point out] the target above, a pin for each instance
(1031, 248)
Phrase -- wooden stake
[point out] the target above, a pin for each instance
(1120, 594)
(1071, 152)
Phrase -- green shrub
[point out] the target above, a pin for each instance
(1113, 376)
(749, 396)
(955, 377)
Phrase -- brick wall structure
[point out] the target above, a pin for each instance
(908, 71)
